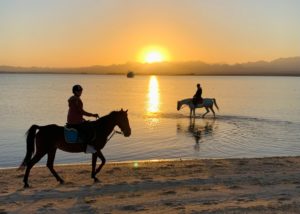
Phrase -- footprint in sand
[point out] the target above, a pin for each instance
(19, 176)
(110, 171)
(84, 171)
(49, 205)
(234, 187)
(173, 204)
(47, 208)
(117, 168)
(147, 178)
(133, 208)
(194, 189)
(171, 192)
(90, 201)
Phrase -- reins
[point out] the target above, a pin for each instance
(113, 133)
(182, 106)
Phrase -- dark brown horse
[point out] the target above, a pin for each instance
(49, 138)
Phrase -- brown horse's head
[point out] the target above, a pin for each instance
(123, 122)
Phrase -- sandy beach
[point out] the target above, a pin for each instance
(263, 185)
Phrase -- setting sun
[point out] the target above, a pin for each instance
(153, 57)
(152, 54)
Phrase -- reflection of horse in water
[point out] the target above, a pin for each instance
(198, 130)
(207, 103)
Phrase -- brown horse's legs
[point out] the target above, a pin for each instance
(100, 155)
(31, 163)
(50, 161)
(94, 161)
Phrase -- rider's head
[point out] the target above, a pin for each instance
(76, 89)
(198, 85)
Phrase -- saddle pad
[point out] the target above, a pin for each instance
(200, 105)
(71, 135)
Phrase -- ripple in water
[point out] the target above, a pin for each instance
(234, 136)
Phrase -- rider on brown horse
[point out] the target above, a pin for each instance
(42, 140)
(75, 117)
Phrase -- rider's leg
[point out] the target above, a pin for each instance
(194, 101)
(87, 137)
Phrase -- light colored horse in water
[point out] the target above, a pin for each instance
(207, 104)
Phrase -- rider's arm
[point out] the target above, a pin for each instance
(89, 114)
(79, 106)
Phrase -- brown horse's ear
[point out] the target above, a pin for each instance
(122, 109)
(126, 111)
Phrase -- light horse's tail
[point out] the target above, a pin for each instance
(215, 103)
(30, 145)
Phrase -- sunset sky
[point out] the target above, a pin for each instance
(71, 33)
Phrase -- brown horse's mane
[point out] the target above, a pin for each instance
(104, 118)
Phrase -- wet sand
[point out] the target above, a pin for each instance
(264, 185)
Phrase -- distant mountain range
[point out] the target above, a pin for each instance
(283, 66)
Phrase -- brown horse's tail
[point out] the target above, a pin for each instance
(215, 102)
(30, 145)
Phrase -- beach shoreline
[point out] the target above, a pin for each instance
(246, 185)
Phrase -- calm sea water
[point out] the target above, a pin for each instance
(258, 117)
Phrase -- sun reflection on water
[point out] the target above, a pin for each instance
(153, 103)
(153, 95)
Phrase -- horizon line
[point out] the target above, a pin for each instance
(146, 63)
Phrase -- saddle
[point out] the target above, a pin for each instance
(71, 135)
(198, 101)
(82, 133)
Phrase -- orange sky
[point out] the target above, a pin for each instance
(81, 33)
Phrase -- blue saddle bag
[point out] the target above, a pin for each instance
(71, 135)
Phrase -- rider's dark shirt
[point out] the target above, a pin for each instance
(198, 94)
(76, 112)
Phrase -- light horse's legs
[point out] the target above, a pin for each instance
(207, 111)
(207, 107)
(192, 110)
(212, 109)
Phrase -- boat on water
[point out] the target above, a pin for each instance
(130, 74)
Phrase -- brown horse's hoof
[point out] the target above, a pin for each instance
(62, 182)
(96, 180)
(26, 185)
